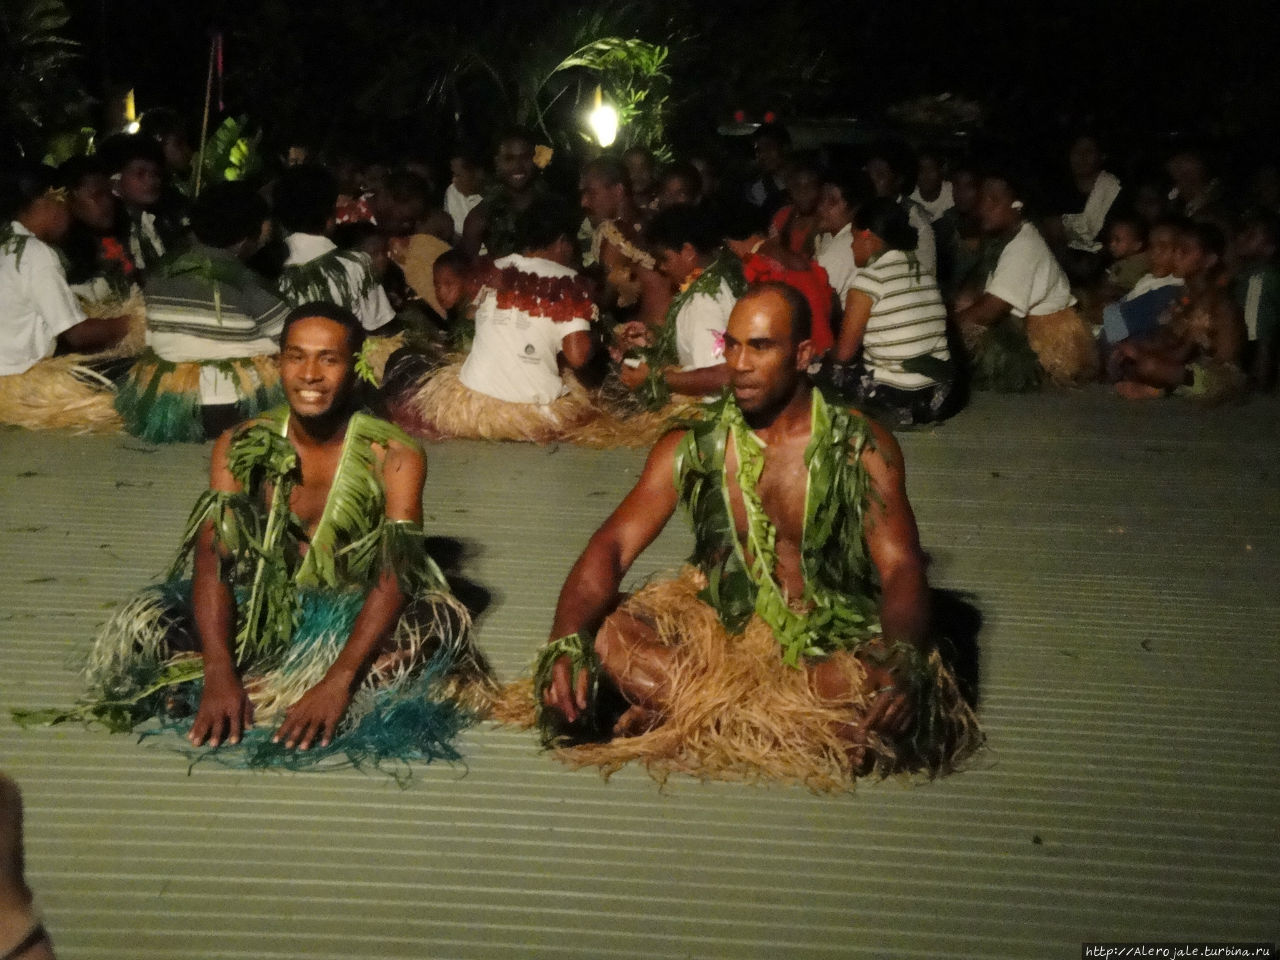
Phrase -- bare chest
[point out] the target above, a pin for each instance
(781, 491)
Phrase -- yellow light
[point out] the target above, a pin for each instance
(603, 121)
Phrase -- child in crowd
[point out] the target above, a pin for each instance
(465, 190)
(1198, 353)
(1127, 244)
(933, 191)
(1140, 311)
(1257, 291)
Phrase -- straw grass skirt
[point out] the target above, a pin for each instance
(737, 712)
(1065, 347)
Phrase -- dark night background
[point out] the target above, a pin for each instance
(352, 73)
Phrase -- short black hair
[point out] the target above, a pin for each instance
(452, 259)
(1130, 219)
(885, 217)
(544, 221)
(348, 236)
(304, 198)
(853, 183)
(672, 228)
(75, 170)
(226, 213)
(608, 170)
(121, 149)
(21, 184)
(523, 134)
(328, 311)
(798, 309)
(160, 123)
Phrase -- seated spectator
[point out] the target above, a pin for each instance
(894, 317)
(685, 356)
(933, 191)
(1257, 291)
(768, 260)
(466, 169)
(137, 172)
(959, 235)
(680, 185)
(641, 169)
(212, 326)
(98, 266)
(1127, 246)
(842, 193)
(1199, 352)
(627, 270)
(796, 224)
(533, 312)
(1196, 193)
(771, 143)
(491, 227)
(1026, 303)
(891, 167)
(1077, 233)
(39, 315)
(1140, 312)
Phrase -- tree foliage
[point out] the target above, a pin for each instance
(37, 84)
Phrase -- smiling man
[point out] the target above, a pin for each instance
(314, 608)
(796, 644)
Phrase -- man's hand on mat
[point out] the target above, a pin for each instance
(315, 718)
(225, 709)
(566, 693)
(889, 715)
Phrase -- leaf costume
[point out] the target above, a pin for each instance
(295, 611)
(343, 277)
(740, 703)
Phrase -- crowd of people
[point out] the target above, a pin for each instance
(762, 336)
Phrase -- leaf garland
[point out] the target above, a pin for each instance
(329, 278)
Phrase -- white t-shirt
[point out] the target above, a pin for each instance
(513, 357)
(835, 255)
(939, 205)
(1028, 278)
(1150, 282)
(36, 305)
(374, 309)
(926, 247)
(700, 327)
(1082, 228)
(458, 205)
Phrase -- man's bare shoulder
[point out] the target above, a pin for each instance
(883, 451)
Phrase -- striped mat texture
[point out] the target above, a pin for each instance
(1125, 558)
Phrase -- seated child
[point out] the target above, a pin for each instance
(1198, 353)
(1257, 291)
(1138, 313)
(1127, 244)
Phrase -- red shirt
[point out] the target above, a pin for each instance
(813, 283)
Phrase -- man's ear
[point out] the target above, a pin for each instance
(804, 355)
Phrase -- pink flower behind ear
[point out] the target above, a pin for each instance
(717, 339)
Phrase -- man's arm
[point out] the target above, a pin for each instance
(473, 229)
(93, 334)
(224, 709)
(315, 717)
(591, 590)
(983, 312)
(577, 348)
(697, 383)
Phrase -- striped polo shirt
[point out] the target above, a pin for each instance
(907, 319)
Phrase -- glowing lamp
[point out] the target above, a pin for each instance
(603, 121)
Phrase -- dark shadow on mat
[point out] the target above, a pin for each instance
(452, 554)
(956, 622)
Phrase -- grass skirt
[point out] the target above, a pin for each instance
(736, 712)
(427, 683)
(65, 392)
(1065, 347)
(159, 401)
(442, 406)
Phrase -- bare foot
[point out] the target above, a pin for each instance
(1132, 390)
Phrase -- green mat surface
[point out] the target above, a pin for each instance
(1125, 558)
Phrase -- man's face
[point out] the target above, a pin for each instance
(514, 164)
(765, 365)
(676, 265)
(600, 201)
(833, 212)
(317, 367)
(639, 168)
(995, 207)
(465, 177)
(883, 179)
(675, 192)
(93, 204)
(805, 188)
(140, 182)
(177, 153)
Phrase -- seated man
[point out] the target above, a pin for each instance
(314, 606)
(39, 315)
(798, 645)
(532, 308)
(685, 354)
(211, 327)
(1199, 351)
(315, 268)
